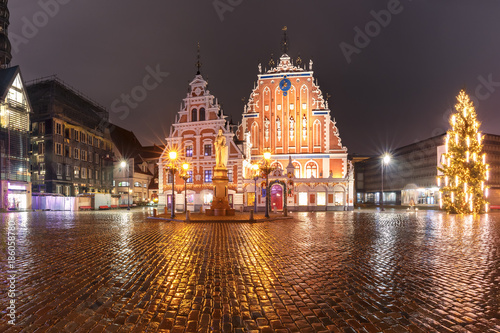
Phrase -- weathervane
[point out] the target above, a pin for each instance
(284, 43)
(198, 63)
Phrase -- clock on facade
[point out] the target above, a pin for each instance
(285, 85)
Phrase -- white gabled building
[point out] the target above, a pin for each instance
(193, 134)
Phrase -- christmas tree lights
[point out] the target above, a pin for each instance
(464, 169)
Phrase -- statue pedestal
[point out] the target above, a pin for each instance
(220, 204)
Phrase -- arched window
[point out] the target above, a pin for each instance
(296, 169)
(202, 114)
(194, 115)
(311, 170)
(277, 165)
(317, 133)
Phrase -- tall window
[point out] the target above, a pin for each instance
(208, 176)
(59, 149)
(194, 115)
(169, 179)
(317, 133)
(255, 136)
(59, 169)
(77, 172)
(230, 175)
(41, 148)
(190, 174)
(189, 151)
(208, 150)
(76, 153)
(58, 128)
(296, 169)
(311, 170)
(202, 114)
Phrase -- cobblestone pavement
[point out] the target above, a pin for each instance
(362, 271)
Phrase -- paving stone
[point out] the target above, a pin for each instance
(362, 271)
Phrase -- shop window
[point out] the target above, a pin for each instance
(302, 198)
(208, 198)
(251, 199)
(339, 199)
(321, 198)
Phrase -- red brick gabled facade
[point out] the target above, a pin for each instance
(288, 115)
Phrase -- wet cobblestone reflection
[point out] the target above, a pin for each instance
(362, 271)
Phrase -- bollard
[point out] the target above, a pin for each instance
(285, 212)
(155, 212)
(166, 210)
(188, 216)
(251, 215)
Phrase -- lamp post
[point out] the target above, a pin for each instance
(185, 176)
(266, 169)
(124, 164)
(255, 168)
(173, 168)
(386, 159)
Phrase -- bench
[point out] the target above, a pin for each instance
(495, 207)
(114, 206)
(103, 207)
(85, 207)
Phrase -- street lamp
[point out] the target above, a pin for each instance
(386, 159)
(266, 169)
(255, 168)
(185, 176)
(124, 164)
(172, 155)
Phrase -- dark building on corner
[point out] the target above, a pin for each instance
(71, 147)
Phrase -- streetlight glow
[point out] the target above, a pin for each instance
(267, 155)
(387, 159)
(172, 155)
(123, 164)
(185, 166)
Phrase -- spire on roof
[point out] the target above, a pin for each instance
(284, 43)
(198, 62)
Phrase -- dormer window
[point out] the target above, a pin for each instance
(202, 114)
(194, 115)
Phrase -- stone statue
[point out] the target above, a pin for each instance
(221, 151)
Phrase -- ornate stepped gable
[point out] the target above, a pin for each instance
(287, 114)
(196, 126)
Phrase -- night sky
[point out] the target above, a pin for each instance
(397, 88)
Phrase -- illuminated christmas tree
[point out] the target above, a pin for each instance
(464, 169)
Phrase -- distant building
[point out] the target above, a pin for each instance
(411, 174)
(193, 134)
(15, 109)
(138, 179)
(71, 147)
(288, 115)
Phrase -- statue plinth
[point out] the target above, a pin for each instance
(220, 204)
